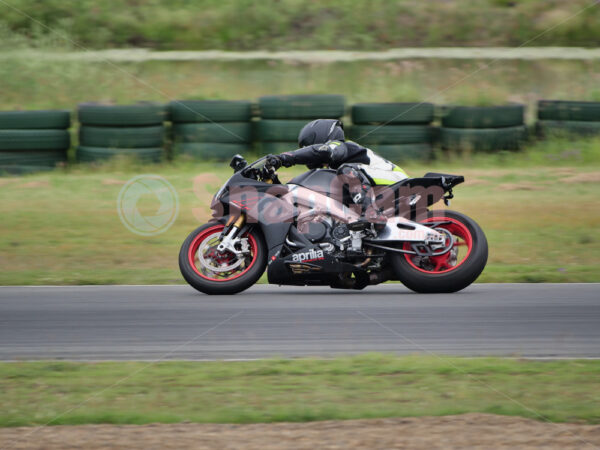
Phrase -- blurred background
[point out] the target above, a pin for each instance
(510, 94)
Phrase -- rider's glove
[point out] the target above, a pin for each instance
(287, 160)
(274, 161)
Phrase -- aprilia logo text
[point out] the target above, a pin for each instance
(310, 255)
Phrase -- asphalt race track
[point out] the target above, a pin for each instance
(176, 322)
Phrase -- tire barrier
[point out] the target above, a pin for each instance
(391, 134)
(218, 129)
(269, 130)
(483, 139)
(135, 131)
(273, 148)
(278, 136)
(93, 154)
(483, 128)
(121, 137)
(195, 111)
(219, 133)
(567, 128)
(35, 120)
(211, 129)
(483, 116)
(397, 131)
(211, 150)
(568, 110)
(138, 115)
(283, 116)
(559, 118)
(32, 141)
(308, 107)
(405, 152)
(392, 113)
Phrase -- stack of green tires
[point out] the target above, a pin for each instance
(107, 131)
(568, 118)
(32, 141)
(396, 131)
(483, 128)
(211, 129)
(283, 116)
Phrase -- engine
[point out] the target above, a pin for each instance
(316, 228)
(332, 236)
(323, 251)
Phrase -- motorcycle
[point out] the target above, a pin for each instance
(308, 232)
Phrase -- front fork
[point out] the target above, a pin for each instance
(229, 233)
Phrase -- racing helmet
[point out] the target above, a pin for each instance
(320, 131)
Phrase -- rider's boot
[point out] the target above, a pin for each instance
(371, 214)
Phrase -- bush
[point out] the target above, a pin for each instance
(296, 24)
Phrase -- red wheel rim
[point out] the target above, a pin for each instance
(227, 276)
(450, 260)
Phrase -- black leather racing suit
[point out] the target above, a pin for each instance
(332, 154)
(342, 156)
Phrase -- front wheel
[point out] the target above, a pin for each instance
(212, 272)
(452, 271)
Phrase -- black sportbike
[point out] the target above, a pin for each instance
(307, 232)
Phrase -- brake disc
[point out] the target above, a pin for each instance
(208, 263)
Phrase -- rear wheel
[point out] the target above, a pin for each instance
(453, 270)
(213, 272)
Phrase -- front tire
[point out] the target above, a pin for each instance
(452, 271)
(221, 274)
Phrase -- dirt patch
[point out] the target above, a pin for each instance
(564, 171)
(35, 184)
(112, 182)
(4, 181)
(524, 186)
(464, 431)
(585, 177)
(475, 182)
(206, 177)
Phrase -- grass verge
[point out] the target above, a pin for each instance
(63, 227)
(33, 83)
(299, 390)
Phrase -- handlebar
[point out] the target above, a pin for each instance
(260, 170)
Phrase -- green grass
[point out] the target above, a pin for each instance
(540, 210)
(33, 83)
(37, 83)
(299, 390)
(297, 24)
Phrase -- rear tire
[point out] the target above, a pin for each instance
(212, 284)
(448, 278)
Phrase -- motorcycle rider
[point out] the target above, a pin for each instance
(322, 143)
